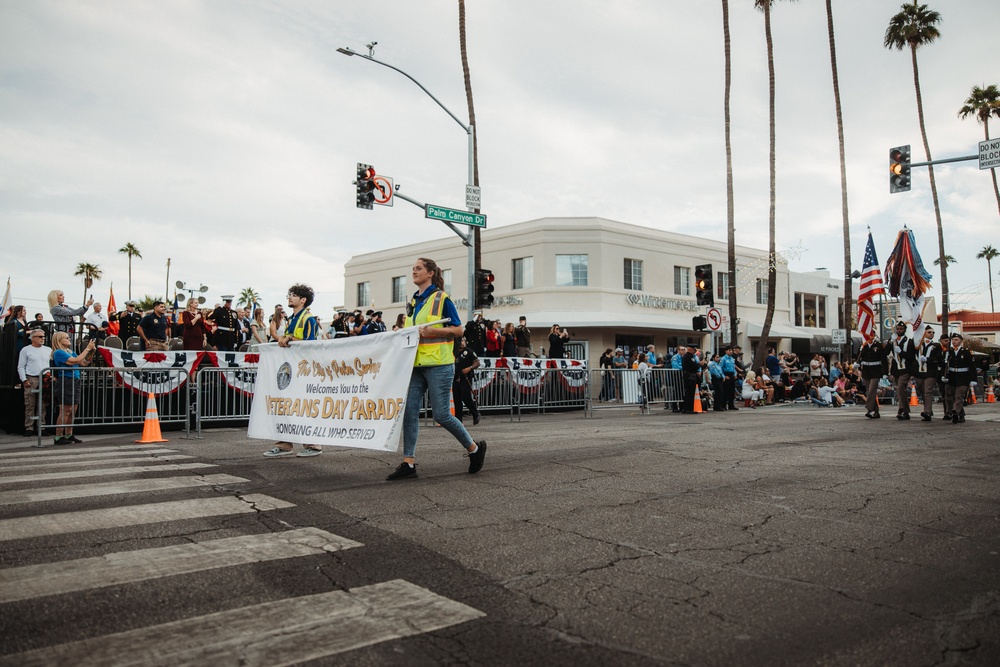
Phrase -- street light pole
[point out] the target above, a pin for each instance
(470, 132)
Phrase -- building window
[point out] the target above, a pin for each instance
(364, 294)
(762, 291)
(810, 310)
(523, 272)
(633, 274)
(571, 270)
(722, 285)
(399, 289)
(446, 277)
(682, 280)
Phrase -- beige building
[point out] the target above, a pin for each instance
(610, 284)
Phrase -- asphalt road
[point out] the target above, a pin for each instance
(787, 535)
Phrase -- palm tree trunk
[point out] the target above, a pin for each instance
(760, 352)
(477, 246)
(934, 195)
(993, 173)
(130, 277)
(846, 315)
(989, 275)
(730, 203)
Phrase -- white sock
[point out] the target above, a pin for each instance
(473, 451)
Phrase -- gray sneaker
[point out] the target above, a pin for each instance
(309, 451)
(278, 451)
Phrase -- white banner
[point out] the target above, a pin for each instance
(346, 391)
(153, 370)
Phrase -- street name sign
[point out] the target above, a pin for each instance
(989, 154)
(452, 215)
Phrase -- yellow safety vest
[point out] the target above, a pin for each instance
(300, 325)
(431, 351)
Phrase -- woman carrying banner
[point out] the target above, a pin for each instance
(432, 311)
(301, 326)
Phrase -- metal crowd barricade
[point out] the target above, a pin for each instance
(106, 400)
(492, 389)
(223, 394)
(564, 388)
(628, 388)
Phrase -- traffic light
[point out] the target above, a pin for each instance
(899, 169)
(704, 293)
(484, 288)
(699, 323)
(365, 185)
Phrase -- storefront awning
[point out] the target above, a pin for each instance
(754, 329)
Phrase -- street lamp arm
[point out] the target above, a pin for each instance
(350, 52)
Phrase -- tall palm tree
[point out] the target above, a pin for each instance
(477, 248)
(130, 250)
(983, 103)
(730, 198)
(90, 273)
(947, 258)
(847, 321)
(913, 27)
(248, 297)
(760, 353)
(989, 253)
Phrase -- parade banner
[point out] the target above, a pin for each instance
(153, 370)
(346, 391)
(241, 368)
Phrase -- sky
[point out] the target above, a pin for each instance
(223, 136)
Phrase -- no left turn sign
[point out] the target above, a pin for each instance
(714, 319)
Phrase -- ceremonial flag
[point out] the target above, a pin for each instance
(177, 312)
(5, 308)
(871, 286)
(907, 279)
(113, 326)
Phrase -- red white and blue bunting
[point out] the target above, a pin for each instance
(241, 369)
(156, 372)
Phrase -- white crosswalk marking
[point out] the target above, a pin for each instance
(59, 455)
(31, 581)
(112, 488)
(134, 515)
(132, 471)
(284, 632)
(101, 462)
(78, 449)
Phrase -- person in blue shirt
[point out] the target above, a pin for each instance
(718, 377)
(66, 390)
(728, 365)
(301, 326)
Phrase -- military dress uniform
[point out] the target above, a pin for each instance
(872, 362)
(929, 367)
(226, 324)
(959, 372)
(902, 356)
(128, 324)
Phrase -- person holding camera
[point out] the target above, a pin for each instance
(557, 342)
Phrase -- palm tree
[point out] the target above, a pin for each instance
(983, 103)
(130, 250)
(730, 198)
(90, 273)
(848, 307)
(912, 27)
(772, 257)
(989, 253)
(248, 297)
(147, 301)
(476, 246)
(947, 258)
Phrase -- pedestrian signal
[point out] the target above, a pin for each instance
(899, 169)
(699, 323)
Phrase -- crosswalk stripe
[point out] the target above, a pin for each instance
(132, 471)
(55, 450)
(70, 464)
(133, 515)
(32, 581)
(112, 488)
(61, 455)
(273, 634)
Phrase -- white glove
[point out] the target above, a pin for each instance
(944, 379)
(895, 348)
(973, 384)
(922, 359)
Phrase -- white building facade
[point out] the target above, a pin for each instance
(610, 284)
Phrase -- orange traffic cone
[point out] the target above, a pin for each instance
(913, 395)
(990, 396)
(972, 397)
(151, 427)
(697, 400)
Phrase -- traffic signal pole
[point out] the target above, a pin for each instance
(467, 239)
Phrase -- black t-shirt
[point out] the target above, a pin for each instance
(464, 359)
(556, 348)
(154, 326)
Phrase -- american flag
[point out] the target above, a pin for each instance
(871, 285)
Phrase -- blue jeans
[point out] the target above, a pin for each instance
(436, 380)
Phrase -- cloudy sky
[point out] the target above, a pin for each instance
(223, 135)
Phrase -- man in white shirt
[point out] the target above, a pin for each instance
(33, 359)
(97, 324)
